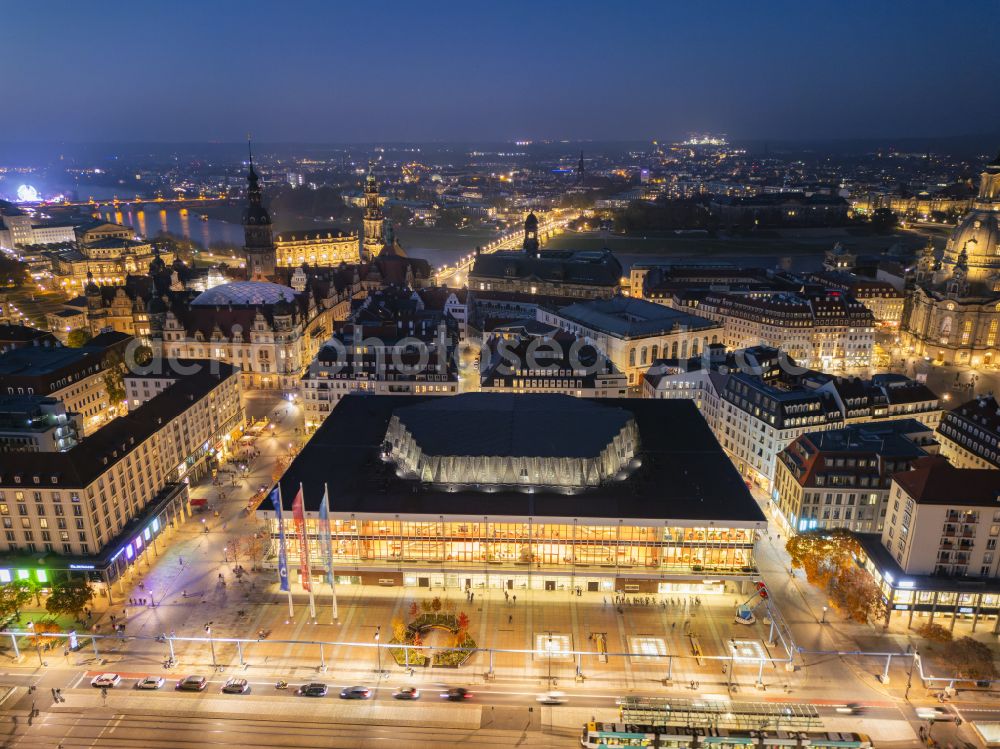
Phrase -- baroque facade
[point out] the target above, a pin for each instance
(954, 315)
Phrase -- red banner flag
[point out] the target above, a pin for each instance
(298, 513)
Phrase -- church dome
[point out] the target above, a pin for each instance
(244, 293)
(979, 235)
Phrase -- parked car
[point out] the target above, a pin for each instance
(106, 680)
(314, 689)
(150, 682)
(236, 686)
(192, 684)
(355, 693)
(407, 693)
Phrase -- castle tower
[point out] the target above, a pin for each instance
(531, 235)
(258, 237)
(373, 236)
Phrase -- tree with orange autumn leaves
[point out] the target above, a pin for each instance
(828, 559)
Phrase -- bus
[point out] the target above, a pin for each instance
(600, 735)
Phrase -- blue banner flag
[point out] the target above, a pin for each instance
(282, 556)
(325, 538)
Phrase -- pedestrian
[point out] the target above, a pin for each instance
(510, 618)
(514, 599)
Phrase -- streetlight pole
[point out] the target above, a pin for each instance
(211, 642)
(378, 650)
(823, 620)
(909, 674)
(549, 648)
(38, 644)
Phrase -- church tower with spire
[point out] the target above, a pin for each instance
(373, 236)
(531, 244)
(258, 237)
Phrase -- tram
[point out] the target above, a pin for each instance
(600, 735)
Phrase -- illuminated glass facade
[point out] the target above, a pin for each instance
(537, 544)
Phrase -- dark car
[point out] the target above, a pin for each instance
(236, 686)
(355, 693)
(192, 684)
(456, 694)
(315, 689)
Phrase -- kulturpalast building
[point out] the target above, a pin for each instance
(541, 491)
(954, 315)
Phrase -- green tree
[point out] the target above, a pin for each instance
(114, 383)
(78, 338)
(143, 355)
(13, 597)
(70, 598)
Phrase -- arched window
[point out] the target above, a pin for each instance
(631, 358)
(645, 355)
(673, 350)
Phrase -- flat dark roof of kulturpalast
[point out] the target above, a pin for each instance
(497, 425)
(684, 473)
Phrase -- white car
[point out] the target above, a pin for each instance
(106, 680)
(150, 682)
(934, 713)
(552, 698)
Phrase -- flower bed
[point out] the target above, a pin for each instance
(451, 656)
(407, 656)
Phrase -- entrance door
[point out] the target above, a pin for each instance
(510, 585)
(423, 582)
(550, 585)
(592, 586)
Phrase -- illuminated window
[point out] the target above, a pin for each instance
(991, 338)
(966, 331)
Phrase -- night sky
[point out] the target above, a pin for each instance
(420, 71)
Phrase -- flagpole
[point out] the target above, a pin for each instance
(281, 537)
(334, 616)
(305, 562)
